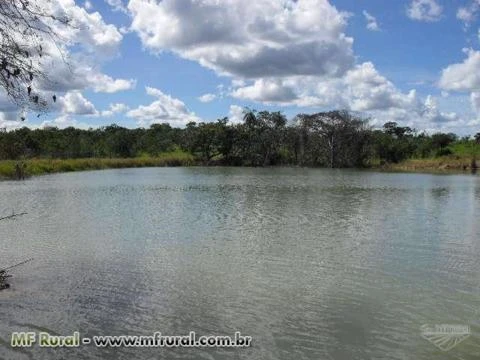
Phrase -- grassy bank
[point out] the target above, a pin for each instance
(451, 163)
(33, 167)
(463, 157)
(47, 166)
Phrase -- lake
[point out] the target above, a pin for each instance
(311, 263)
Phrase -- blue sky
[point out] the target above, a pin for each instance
(147, 61)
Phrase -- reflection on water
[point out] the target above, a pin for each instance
(313, 264)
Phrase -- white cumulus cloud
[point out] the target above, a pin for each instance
(74, 103)
(361, 89)
(265, 38)
(292, 52)
(165, 109)
(267, 91)
(463, 76)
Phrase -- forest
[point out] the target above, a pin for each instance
(335, 139)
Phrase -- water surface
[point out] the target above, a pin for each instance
(313, 264)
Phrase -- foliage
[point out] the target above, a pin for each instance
(46, 166)
(326, 139)
(333, 139)
(477, 138)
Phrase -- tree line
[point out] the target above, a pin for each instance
(327, 139)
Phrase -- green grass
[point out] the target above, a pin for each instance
(465, 156)
(464, 149)
(7, 169)
(47, 166)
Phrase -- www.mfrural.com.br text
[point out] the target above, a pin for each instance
(47, 340)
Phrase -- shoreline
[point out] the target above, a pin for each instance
(447, 164)
(36, 167)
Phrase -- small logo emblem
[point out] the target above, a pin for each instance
(445, 337)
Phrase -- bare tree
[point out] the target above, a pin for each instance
(25, 30)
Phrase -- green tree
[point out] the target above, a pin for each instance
(265, 135)
(335, 138)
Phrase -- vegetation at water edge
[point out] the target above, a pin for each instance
(333, 139)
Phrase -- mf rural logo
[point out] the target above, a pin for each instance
(445, 337)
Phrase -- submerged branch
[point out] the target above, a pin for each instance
(12, 216)
(4, 270)
(4, 274)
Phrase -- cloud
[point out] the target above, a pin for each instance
(465, 77)
(118, 107)
(117, 5)
(75, 62)
(434, 115)
(425, 10)
(165, 109)
(368, 90)
(428, 117)
(74, 103)
(9, 112)
(361, 89)
(78, 75)
(475, 101)
(468, 14)
(67, 107)
(294, 53)
(235, 114)
(207, 98)
(371, 21)
(290, 52)
(264, 39)
(113, 109)
(462, 76)
(268, 91)
(103, 83)
(65, 121)
(86, 29)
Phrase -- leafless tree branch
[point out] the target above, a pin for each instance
(25, 27)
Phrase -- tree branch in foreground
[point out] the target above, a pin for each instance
(26, 34)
